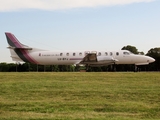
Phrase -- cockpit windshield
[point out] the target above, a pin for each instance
(130, 52)
(127, 53)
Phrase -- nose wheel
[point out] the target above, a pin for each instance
(114, 67)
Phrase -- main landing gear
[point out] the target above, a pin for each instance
(136, 69)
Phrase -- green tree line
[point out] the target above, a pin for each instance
(27, 67)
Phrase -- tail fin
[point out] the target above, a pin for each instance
(19, 52)
(14, 43)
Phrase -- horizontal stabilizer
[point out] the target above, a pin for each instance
(23, 48)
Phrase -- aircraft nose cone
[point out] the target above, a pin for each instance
(150, 60)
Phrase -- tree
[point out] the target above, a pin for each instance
(4, 67)
(131, 49)
(155, 53)
(141, 53)
(12, 67)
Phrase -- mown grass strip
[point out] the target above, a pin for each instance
(97, 96)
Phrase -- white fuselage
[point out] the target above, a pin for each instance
(70, 58)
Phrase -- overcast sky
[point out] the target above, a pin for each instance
(80, 24)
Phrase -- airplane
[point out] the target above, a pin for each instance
(23, 53)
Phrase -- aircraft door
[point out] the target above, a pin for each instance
(86, 52)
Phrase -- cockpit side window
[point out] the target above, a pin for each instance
(126, 53)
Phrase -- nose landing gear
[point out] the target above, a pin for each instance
(136, 69)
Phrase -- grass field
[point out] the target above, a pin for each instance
(93, 96)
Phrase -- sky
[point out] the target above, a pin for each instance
(73, 25)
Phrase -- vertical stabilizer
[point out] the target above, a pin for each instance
(13, 41)
(19, 52)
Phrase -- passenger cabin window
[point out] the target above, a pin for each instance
(126, 53)
(74, 54)
(67, 54)
(86, 53)
(106, 53)
(99, 54)
(117, 53)
(61, 54)
(94, 52)
(80, 54)
(111, 53)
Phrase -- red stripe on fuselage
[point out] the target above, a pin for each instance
(76, 58)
